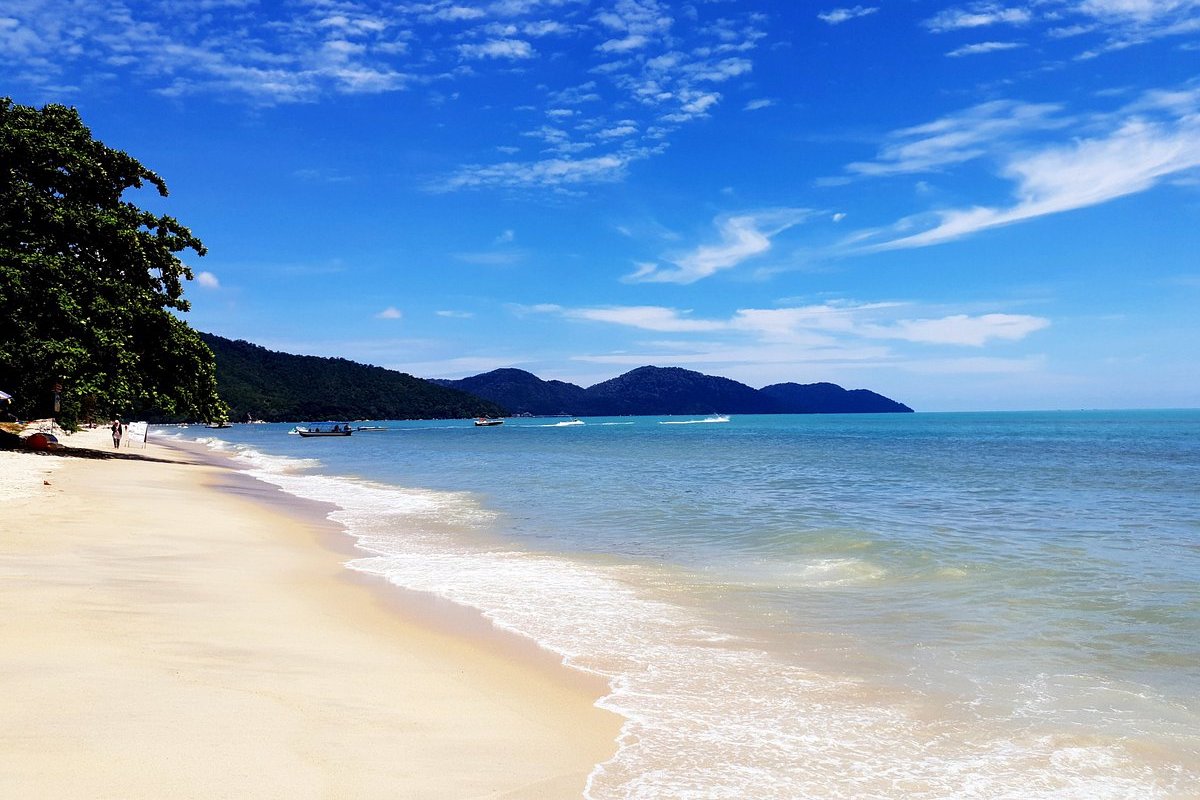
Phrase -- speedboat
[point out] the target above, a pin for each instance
(487, 422)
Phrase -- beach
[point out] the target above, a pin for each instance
(179, 630)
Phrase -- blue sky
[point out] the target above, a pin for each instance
(961, 205)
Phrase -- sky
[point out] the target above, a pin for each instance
(963, 206)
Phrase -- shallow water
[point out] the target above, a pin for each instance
(919, 605)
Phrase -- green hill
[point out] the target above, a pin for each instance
(280, 387)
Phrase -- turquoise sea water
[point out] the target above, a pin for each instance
(909, 606)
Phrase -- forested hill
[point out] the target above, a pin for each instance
(667, 390)
(279, 387)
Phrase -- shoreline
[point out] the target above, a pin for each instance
(153, 652)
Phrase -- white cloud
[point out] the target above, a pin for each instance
(652, 318)
(960, 329)
(742, 236)
(506, 237)
(451, 314)
(839, 15)
(391, 312)
(634, 41)
(498, 48)
(960, 137)
(983, 47)
(977, 16)
(1131, 159)
(621, 129)
(760, 103)
(553, 172)
(820, 323)
(208, 280)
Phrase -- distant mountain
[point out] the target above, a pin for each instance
(672, 390)
(829, 398)
(277, 387)
(666, 390)
(523, 392)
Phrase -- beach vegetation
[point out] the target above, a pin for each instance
(92, 285)
(267, 385)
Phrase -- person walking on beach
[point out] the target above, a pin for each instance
(116, 432)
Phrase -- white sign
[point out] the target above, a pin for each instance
(137, 432)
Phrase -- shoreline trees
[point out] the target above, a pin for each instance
(91, 285)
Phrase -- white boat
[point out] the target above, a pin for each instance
(307, 433)
(706, 420)
(487, 422)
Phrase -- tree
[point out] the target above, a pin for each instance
(90, 284)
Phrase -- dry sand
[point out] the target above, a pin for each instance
(164, 638)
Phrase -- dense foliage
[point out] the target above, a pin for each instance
(523, 392)
(267, 385)
(668, 390)
(89, 282)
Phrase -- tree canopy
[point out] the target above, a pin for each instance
(91, 284)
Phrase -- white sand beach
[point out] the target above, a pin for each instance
(164, 637)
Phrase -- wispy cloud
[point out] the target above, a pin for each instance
(650, 318)
(653, 65)
(391, 312)
(547, 173)
(960, 137)
(839, 15)
(821, 324)
(977, 15)
(983, 47)
(743, 236)
(1156, 137)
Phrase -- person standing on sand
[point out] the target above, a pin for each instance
(116, 432)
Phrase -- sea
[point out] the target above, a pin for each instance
(930, 605)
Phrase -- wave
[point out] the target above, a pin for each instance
(710, 713)
(716, 418)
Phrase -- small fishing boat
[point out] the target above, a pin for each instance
(336, 430)
(487, 422)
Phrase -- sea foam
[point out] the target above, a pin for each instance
(709, 714)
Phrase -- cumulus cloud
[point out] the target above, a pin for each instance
(208, 280)
(391, 312)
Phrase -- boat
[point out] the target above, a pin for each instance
(218, 425)
(487, 422)
(336, 430)
(709, 419)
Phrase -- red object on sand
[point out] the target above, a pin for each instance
(41, 441)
